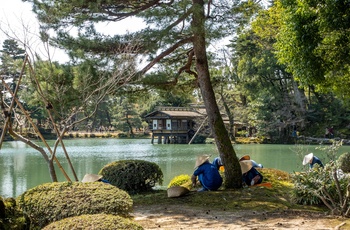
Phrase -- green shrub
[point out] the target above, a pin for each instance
(133, 176)
(328, 185)
(317, 185)
(55, 201)
(303, 185)
(242, 133)
(122, 135)
(181, 180)
(11, 216)
(344, 162)
(98, 221)
(2, 209)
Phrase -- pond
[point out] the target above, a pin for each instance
(22, 167)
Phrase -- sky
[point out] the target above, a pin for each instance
(18, 20)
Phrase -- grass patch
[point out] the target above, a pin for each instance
(256, 198)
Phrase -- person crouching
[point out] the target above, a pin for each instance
(207, 174)
(250, 175)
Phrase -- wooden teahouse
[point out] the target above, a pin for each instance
(173, 124)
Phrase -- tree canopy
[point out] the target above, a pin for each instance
(176, 38)
(314, 43)
(287, 66)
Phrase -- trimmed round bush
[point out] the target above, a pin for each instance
(96, 221)
(51, 202)
(11, 216)
(133, 176)
(344, 162)
(2, 208)
(181, 180)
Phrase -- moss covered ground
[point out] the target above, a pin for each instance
(250, 198)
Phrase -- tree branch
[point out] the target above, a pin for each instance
(164, 54)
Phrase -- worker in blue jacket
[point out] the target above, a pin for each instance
(208, 175)
(312, 160)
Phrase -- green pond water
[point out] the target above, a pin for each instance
(22, 167)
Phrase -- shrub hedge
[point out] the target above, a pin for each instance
(133, 176)
(51, 202)
(11, 216)
(96, 221)
(181, 180)
(311, 186)
(344, 162)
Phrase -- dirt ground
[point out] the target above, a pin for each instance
(178, 217)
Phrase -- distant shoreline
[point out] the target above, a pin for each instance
(75, 134)
(105, 135)
(209, 140)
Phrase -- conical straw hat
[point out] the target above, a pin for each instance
(200, 160)
(246, 165)
(177, 191)
(91, 178)
(308, 158)
(245, 157)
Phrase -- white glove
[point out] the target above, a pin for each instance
(252, 183)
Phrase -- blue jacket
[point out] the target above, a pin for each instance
(248, 176)
(217, 163)
(209, 176)
(315, 160)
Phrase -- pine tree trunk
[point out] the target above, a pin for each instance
(228, 156)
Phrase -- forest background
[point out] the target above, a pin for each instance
(286, 68)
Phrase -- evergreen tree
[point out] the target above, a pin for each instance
(10, 47)
(276, 104)
(11, 56)
(313, 42)
(175, 27)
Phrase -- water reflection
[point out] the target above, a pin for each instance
(22, 168)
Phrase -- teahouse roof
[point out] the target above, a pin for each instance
(174, 112)
(184, 113)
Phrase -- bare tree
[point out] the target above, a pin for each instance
(94, 91)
